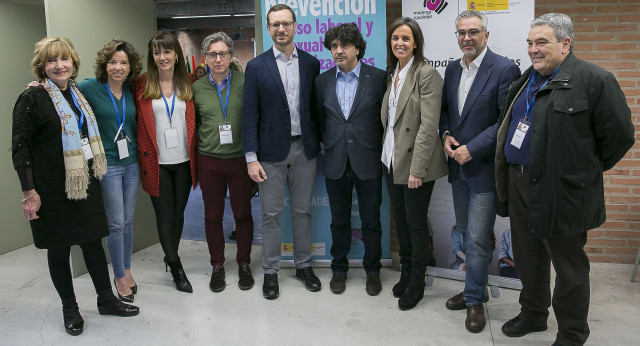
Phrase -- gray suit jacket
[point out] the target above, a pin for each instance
(359, 137)
(418, 147)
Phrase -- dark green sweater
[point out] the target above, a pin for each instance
(209, 115)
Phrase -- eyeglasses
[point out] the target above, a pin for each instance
(214, 55)
(276, 26)
(342, 46)
(473, 33)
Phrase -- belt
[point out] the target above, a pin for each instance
(295, 138)
(520, 168)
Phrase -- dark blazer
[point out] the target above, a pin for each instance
(476, 125)
(266, 120)
(359, 137)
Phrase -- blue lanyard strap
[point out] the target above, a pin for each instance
(79, 119)
(166, 104)
(533, 78)
(124, 114)
(224, 106)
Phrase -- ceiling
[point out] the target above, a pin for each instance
(193, 14)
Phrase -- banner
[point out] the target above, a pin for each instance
(314, 18)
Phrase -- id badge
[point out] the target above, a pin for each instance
(225, 133)
(171, 138)
(123, 150)
(86, 148)
(521, 132)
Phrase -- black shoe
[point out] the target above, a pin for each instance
(245, 278)
(517, 327)
(402, 285)
(179, 276)
(338, 283)
(374, 286)
(117, 308)
(475, 321)
(270, 289)
(128, 298)
(134, 289)
(73, 322)
(311, 281)
(410, 298)
(232, 236)
(217, 283)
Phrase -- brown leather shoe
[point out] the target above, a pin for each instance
(456, 302)
(245, 278)
(475, 321)
(338, 283)
(374, 286)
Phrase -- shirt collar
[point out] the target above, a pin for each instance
(278, 53)
(405, 70)
(355, 71)
(224, 82)
(477, 61)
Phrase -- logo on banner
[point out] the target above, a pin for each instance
(435, 5)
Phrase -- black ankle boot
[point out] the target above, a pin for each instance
(402, 285)
(73, 322)
(410, 298)
(179, 276)
(108, 304)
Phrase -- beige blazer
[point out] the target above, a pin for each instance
(418, 147)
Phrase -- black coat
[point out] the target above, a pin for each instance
(37, 143)
(581, 127)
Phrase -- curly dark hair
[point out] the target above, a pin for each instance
(346, 33)
(105, 54)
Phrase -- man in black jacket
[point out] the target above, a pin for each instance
(565, 122)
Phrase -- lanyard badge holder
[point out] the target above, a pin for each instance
(170, 134)
(121, 137)
(224, 129)
(86, 146)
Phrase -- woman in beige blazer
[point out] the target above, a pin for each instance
(412, 151)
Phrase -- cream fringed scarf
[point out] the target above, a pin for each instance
(75, 164)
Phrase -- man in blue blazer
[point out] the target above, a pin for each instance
(348, 101)
(280, 142)
(472, 98)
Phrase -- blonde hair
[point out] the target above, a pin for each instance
(51, 47)
(181, 81)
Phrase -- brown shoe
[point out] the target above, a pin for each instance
(374, 286)
(217, 283)
(245, 278)
(456, 302)
(475, 321)
(338, 283)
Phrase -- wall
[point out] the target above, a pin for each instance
(191, 41)
(29, 20)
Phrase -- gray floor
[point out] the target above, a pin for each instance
(30, 311)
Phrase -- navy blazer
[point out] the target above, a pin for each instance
(477, 124)
(266, 120)
(359, 137)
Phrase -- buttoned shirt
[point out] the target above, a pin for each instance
(346, 86)
(466, 79)
(290, 75)
(389, 139)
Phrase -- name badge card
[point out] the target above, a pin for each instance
(171, 138)
(86, 148)
(225, 134)
(123, 150)
(521, 132)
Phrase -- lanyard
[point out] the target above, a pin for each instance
(166, 104)
(124, 114)
(224, 106)
(79, 119)
(533, 78)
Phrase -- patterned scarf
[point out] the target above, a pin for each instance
(75, 164)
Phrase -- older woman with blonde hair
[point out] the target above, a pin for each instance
(59, 158)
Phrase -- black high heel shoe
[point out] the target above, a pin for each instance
(179, 276)
(128, 298)
(73, 322)
(117, 308)
(134, 289)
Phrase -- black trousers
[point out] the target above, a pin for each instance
(369, 193)
(410, 208)
(175, 185)
(60, 269)
(533, 258)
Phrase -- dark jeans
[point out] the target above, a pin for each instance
(214, 176)
(533, 258)
(340, 193)
(175, 184)
(60, 269)
(410, 208)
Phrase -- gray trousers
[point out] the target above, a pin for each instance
(299, 174)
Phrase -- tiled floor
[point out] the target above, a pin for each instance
(30, 311)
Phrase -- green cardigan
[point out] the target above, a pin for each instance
(209, 115)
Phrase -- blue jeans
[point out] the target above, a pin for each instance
(475, 217)
(119, 192)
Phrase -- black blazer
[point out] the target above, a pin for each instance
(266, 120)
(359, 137)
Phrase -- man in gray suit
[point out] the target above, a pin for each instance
(348, 100)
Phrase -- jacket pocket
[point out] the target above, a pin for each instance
(578, 194)
(572, 117)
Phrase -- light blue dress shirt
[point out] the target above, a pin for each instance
(346, 86)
